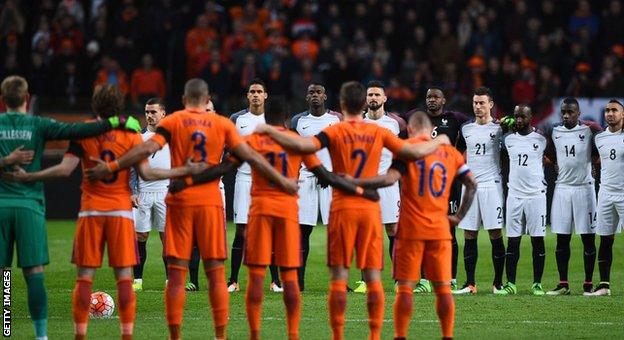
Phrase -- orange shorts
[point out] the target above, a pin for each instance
(433, 255)
(272, 240)
(92, 232)
(358, 230)
(200, 225)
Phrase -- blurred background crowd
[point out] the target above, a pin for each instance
(526, 51)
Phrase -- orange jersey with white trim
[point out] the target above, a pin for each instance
(113, 191)
(355, 148)
(266, 198)
(425, 191)
(201, 136)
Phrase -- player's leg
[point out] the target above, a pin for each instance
(369, 250)
(498, 257)
(436, 260)
(454, 201)
(584, 206)
(608, 216)
(161, 235)
(209, 228)
(87, 256)
(493, 218)
(242, 199)
(515, 229)
(470, 225)
(253, 299)
(341, 234)
(408, 255)
(276, 284)
(119, 236)
(28, 230)
(159, 219)
(142, 227)
(561, 216)
(535, 214)
(390, 200)
(589, 260)
(193, 284)
(309, 205)
(287, 256)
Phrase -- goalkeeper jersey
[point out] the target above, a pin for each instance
(32, 132)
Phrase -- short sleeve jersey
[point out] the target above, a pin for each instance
(308, 125)
(482, 143)
(203, 137)
(425, 191)
(111, 192)
(355, 148)
(392, 123)
(266, 198)
(610, 146)
(573, 151)
(246, 123)
(526, 164)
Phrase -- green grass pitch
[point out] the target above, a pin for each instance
(483, 316)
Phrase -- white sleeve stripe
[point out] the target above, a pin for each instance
(463, 169)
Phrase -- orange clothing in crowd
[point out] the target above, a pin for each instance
(145, 82)
(120, 80)
(198, 43)
(305, 49)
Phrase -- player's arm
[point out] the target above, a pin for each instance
(468, 195)
(17, 157)
(343, 183)
(54, 130)
(289, 141)
(411, 152)
(210, 174)
(148, 173)
(133, 156)
(62, 170)
(247, 154)
(396, 171)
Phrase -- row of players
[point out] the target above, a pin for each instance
(522, 114)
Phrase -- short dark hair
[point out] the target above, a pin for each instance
(375, 83)
(14, 91)
(435, 87)
(156, 101)
(257, 81)
(107, 101)
(615, 101)
(419, 120)
(275, 111)
(195, 89)
(353, 96)
(571, 100)
(483, 91)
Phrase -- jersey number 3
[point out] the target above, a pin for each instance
(199, 146)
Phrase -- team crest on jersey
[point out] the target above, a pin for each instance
(492, 135)
(582, 137)
(535, 146)
(444, 121)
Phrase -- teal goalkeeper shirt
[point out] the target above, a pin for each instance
(33, 131)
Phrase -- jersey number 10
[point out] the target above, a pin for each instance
(430, 177)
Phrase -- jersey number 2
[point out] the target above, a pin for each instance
(362, 155)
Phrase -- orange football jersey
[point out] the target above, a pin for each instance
(201, 136)
(355, 149)
(266, 198)
(111, 192)
(425, 192)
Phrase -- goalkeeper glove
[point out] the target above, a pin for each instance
(125, 122)
(508, 122)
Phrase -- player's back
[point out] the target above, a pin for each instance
(267, 198)
(355, 149)
(202, 137)
(425, 192)
(112, 192)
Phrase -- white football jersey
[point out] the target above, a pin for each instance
(386, 155)
(610, 146)
(573, 150)
(246, 123)
(160, 159)
(483, 146)
(308, 125)
(526, 165)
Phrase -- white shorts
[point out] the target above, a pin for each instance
(390, 201)
(610, 211)
(151, 213)
(573, 206)
(526, 215)
(486, 209)
(312, 199)
(242, 199)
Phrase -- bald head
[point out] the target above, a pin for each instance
(196, 93)
(419, 124)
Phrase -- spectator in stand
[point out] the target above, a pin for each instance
(523, 89)
(112, 74)
(67, 34)
(305, 47)
(217, 76)
(584, 18)
(73, 8)
(146, 82)
(11, 19)
(613, 23)
(199, 42)
(444, 48)
(69, 85)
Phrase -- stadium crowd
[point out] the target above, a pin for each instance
(527, 51)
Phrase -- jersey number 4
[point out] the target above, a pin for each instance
(430, 177)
